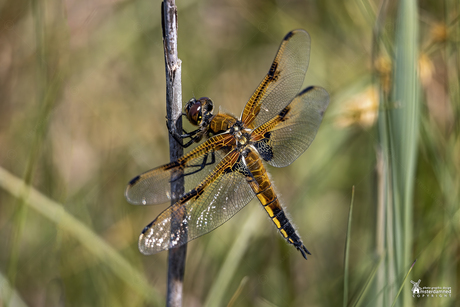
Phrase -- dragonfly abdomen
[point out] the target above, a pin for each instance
(279, 218)
(265, 192)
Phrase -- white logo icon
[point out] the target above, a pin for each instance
(416, 288)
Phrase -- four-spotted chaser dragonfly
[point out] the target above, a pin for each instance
(225, 172)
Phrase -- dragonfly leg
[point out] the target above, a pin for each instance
(200, 166)
(194, 136)
(203, 164)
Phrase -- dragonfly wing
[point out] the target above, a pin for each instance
(282, 82)
(154, 186)
(286, 136)
(220, 196)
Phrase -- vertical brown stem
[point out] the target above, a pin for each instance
(176, 259)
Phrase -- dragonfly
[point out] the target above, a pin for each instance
(226, 169)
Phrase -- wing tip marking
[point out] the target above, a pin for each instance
(289, 35)
(134, 181)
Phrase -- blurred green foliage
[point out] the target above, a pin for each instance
(82, 111)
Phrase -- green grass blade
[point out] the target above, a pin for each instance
(233, 259)
(9, 296)
(347, 251)
(238, 291)
(366, 287)
(403, 283)
(97, 246)
(404, 131)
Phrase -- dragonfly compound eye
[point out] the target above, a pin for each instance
(193, 111)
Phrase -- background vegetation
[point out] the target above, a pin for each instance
(82, 111)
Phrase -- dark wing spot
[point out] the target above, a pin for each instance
(284, 112)
(147, 227)
(174, 164)
(264, 149)
(239, 167)
(272, 71)
(289, 35)
(134, 180)
(305, 90)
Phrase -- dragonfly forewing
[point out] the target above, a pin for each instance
(154, 186)
(282, 82)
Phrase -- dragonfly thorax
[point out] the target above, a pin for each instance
(240, 134)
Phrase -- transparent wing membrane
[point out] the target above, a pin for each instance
(154, 186)
(283, 81)
(292, 134)
(220, 196)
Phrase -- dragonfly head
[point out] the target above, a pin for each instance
(197, 110)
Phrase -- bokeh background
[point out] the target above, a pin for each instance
(82, 111)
